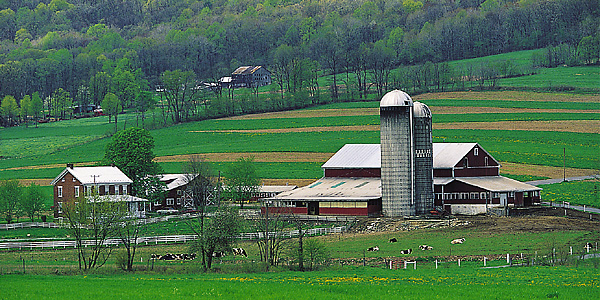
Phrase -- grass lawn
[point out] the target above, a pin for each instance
(580, 77)
(345, 283)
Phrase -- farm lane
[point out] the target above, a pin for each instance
(510, 96)
(371, 111)
(579, 126)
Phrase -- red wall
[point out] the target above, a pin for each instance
(285, 210)
(375, 172)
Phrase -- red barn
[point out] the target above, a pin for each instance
(466, 180)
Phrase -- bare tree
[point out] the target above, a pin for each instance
(91, 220)
(202, 191)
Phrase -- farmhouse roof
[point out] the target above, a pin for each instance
(335, 189)
(95, 175)
(364, 156)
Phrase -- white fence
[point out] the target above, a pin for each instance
(165, 239)
(29, 225)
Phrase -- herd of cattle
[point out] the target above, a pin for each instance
(422, 247)
(185, 256)
(242, 252)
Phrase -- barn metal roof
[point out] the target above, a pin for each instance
(335, 189)
(447, 155)
(176, 180)
(491, 183)
(246, 70)
(360, 156)
(355, 156)
(95, 175)
(276, 188)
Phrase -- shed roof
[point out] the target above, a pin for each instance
(335, 189)
(95, 175)
(491, 183)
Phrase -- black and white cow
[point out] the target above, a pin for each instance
(376, 248)
(407, 251)
(240, 252)
(393, 240)
(218, 254)
(425, 247)
(169, 256)
(457, 241)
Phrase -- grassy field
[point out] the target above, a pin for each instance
(581, 193)
(346, 283)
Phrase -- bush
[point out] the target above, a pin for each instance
(121, 260)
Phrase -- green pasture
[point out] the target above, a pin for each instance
(519, 59)
(346, 283)
(575, 192)
(556, 78)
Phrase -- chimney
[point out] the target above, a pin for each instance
(70, 166)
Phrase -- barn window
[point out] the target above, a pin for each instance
(474, 196)
(483, 195)
(476, 151)
(60, 192)
(486, 161)
(465, 162)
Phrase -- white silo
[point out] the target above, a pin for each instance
(423, 158)
(397, 155)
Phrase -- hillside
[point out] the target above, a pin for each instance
(75, 52)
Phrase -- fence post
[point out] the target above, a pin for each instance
(485, 261)
(436, 264)
(570, 250)
(459, 262)
(507, 259)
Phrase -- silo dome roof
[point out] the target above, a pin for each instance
(395, 98)
(420, 110)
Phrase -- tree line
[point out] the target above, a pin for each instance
(18, 201)
(92, 48)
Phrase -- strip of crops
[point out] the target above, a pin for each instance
(531, 147)
(577, 192)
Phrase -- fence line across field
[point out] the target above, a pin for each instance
(166, 239)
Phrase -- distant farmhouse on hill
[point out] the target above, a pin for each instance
(247, 76)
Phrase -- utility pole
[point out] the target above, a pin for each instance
(564, 164)
(267, 202)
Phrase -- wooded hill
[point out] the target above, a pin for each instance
(81, 50)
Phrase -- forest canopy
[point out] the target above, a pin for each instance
(91, 47)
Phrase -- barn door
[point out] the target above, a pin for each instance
(503, 199)
(188, 199)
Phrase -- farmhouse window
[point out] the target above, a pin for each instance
(76, 191)
(179, 192)
(157, 203)
(170, 201)
(59, 207)
(73, 179)
(63, 179)
(60, 192)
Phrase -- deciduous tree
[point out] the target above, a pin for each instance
(242, 180)
(131, 150)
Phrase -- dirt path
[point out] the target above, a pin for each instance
(440, 110)
(259, 157)
(510, 96)
(581, 126)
